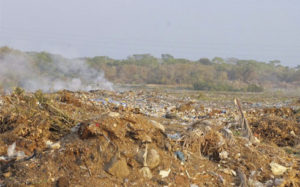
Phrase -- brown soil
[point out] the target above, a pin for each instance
(73, 139)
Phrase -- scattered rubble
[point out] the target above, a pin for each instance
(277, 169)
(117, 167)
(133, 138)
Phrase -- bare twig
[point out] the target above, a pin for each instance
(244, 123)
(89, 171)
(145, 156)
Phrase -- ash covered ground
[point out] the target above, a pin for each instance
(149, 137)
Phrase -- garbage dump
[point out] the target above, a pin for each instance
(144, 138)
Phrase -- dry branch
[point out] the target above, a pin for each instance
(247, 133)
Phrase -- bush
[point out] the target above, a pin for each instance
(213, 86)
(205, 61)
(254, 88)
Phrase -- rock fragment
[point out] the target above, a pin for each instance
(118, 167)
(170, 115)
(62, 182)
(223, 155)
(277, 169)
(114, 114)
(158, 125)
(164, 173)
(255, 183)
(152, 158)
(7, 174)
(52, 145)
(146, 172)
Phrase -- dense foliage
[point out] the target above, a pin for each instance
(217, 74)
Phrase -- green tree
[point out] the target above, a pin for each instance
(205, 61)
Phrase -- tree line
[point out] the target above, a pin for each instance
(216, 74)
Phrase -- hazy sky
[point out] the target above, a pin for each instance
(248, 29)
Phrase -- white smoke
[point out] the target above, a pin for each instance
(20, 69)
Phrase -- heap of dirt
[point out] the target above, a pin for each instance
(75, 138)
(276, 125)
(33, 119)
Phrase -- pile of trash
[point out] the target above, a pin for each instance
(276, 125)
(140, 138)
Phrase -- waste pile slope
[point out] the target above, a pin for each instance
(140, 138)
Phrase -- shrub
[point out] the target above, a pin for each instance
(254, 88)
(213, 86)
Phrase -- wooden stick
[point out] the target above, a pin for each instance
(244, 124)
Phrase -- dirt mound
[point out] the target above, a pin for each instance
(83, 138)
(276, 125)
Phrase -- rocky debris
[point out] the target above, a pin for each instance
(158, 125)
(105, 138)
(164, 173)
(114, 114)
(223, 155)
(12, 153)
(277, 169)
(146, 172)
(186, 107)
(181, 180)
(275, 128)
(52, 145)
(170, 115)
(62, 182)
(148, 158)
(255, 183)
(117, 167)
(229, 171)
(7, 174)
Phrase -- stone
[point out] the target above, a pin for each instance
(293, 134)
(7, 174)
(277, 169)
(229, 171)
(62, 182)
(145, 139)
(168, 146)
(164, 173)
(255, 183)
(11, 150)
(146, 172)
(223, 155)
(207, 129)
(55, 145)
(171, 115)
(117, 167)
(278, 182)
(52, 145)
(158, 125)
(114, 114)
(84, 132)
(269, 183)
(237, 156)
(152, 158)
(181, 180)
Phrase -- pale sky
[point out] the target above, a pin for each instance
(248, 29)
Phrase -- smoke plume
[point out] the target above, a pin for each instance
(34, 71)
